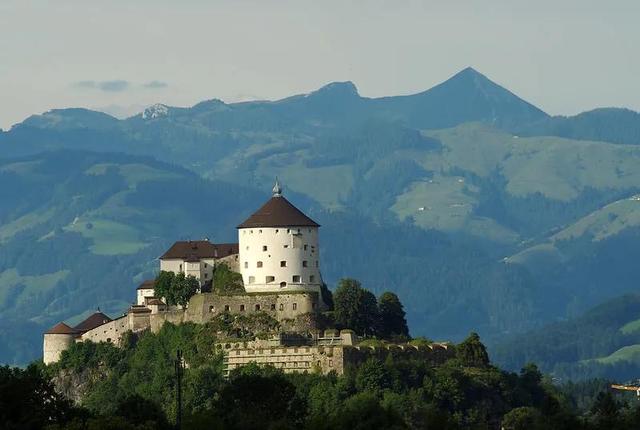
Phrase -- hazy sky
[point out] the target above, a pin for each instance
(563, 56)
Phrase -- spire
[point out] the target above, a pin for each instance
(277, 189)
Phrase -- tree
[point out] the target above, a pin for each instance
(162, 287)
(226, 281)
(372, 376)
(28, 400)
(183, 288)
(472, 352)
(326, 295)
(355, 307)
(392, 316)
(524, 418)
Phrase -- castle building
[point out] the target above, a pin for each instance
(198, 258)
(279, 249)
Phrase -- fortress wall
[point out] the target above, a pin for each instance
(109, 332)
(54, 344)
(156, 321)
(203, 307)
(326, 358)
(289, 359)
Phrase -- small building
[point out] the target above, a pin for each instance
(198, 258)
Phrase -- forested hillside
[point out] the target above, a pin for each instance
(462, 199)
(603, 342)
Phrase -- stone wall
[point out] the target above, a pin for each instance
(109, 332)
(290, 359)
(326, 359)
(54, 344)
(280, 305)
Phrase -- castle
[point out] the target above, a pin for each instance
(278, 257)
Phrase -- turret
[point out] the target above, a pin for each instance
(57, 339)
(279, 249)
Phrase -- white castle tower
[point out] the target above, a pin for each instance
(279, 248)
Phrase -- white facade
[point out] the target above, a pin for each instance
(201, 269)
(276, 259)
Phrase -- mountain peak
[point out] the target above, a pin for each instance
(341, 89)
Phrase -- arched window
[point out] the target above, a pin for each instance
(283, 284)
(281, 306)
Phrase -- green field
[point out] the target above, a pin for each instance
(30, 286)
(109, 237)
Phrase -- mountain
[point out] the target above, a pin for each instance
(467, 96)
(603, 342)
(614, 125)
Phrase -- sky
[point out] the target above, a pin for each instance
(564, 56)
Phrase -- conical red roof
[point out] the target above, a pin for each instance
(278, 212)
(61, 328)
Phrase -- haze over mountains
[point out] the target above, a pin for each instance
(483, 212)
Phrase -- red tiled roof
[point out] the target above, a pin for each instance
(278, 212)
(61, 328)
(194, 250)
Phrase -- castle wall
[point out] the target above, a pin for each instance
(109, 332)
(290, 359)
(326, 359)
(297, 247)
(203, 307)
(54, 344)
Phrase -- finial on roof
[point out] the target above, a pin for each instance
(277, 189)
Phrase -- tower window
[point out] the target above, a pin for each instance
(316, 263)
(257, 308)
(270, 279)
(283, 264)
(259, 264)
(259, 231)
(296, 278)
(305, 247)
(246, 264)
(281, 307)
(304, 263)
(252, 279)
(264, 247)
(273, 306)
(241, 308)
(288, 230)
(312, 278)
(283, 284)
(295, 306)
(277, 230)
